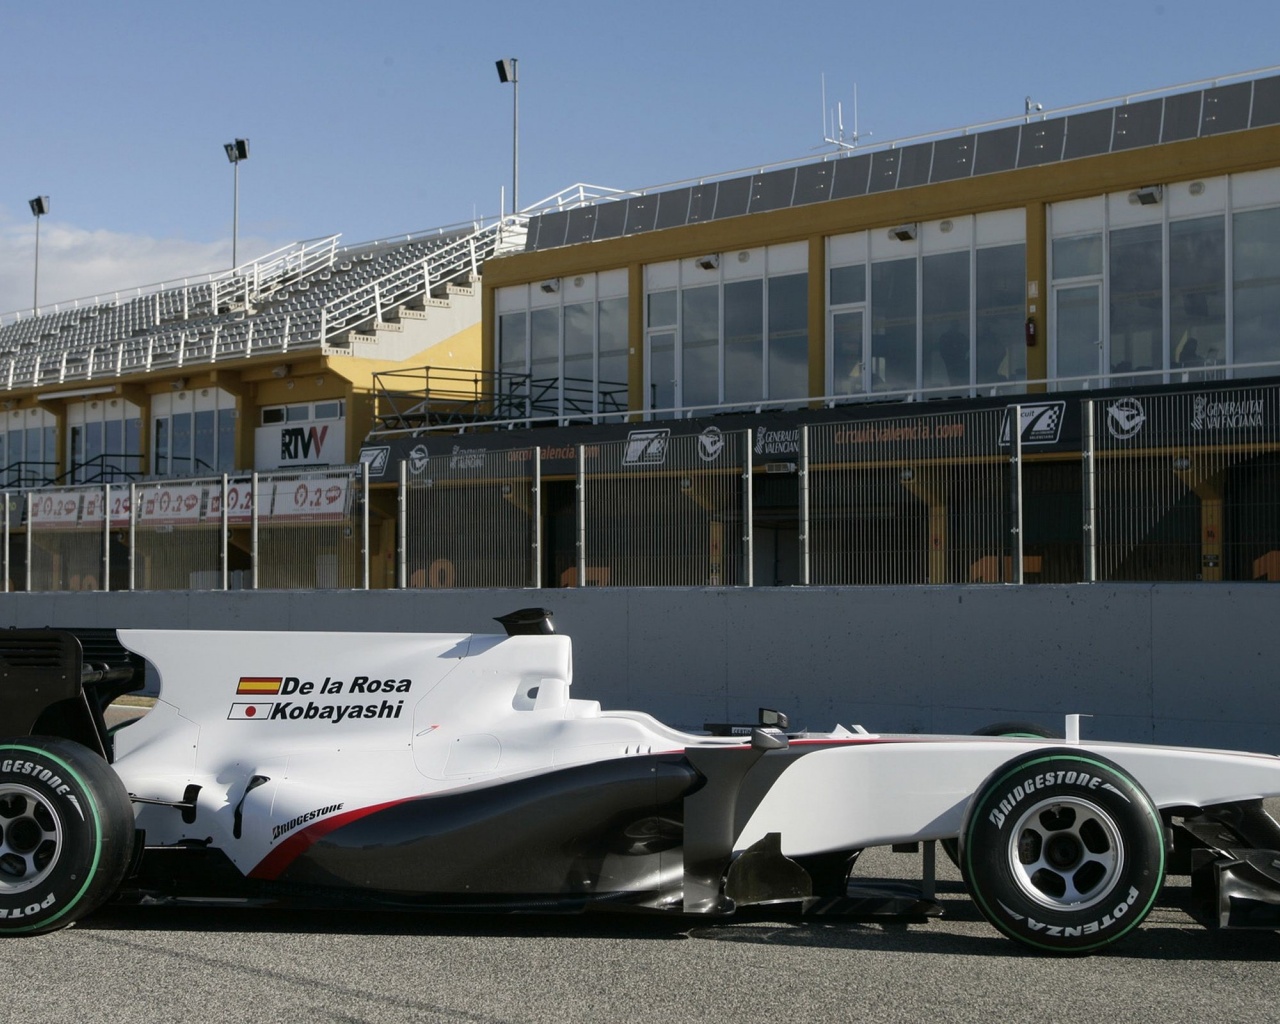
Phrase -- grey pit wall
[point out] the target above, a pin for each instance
(1188, 664)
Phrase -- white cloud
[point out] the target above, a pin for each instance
(76, 263)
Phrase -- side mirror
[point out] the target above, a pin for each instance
(773, 719)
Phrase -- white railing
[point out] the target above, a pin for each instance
(301, 257)
(447, 263)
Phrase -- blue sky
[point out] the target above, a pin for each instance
(382, 117)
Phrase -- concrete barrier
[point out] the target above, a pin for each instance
(1194, 664)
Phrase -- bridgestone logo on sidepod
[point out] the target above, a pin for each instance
(1046, 779)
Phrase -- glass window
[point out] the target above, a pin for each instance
(1000, 350)
(93, 451)
(1197, 292)
(848, 284)
(133, 445)
(1256, 289)
(789, 336)
(161, 447)
(544, 344)
(662, 309)
(945, 300)
(662, 371)
(76, 444)
(113, 441)
(846, 355)
(34, 468)
(328, 410)
(614, 361)
(893, 326)
(1077, 330)
(743, 341)
(275, 415)
(1077, 257)
(579, 359)
(205, 441)
(180, 459)
(513, 332)
(297, 413)
(700, 346)
(227, 439)
(1137, 299)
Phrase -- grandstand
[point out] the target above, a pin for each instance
(310, 296)
(899, 364)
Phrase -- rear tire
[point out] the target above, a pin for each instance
(66, 833)
(1062, 851)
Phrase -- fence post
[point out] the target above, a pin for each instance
(133, 536)
(7, 586)
(226, 536)
(106, 538)
(253, 530)
(402, 527)
(581, 542)
(30, 508)
(803, 472)
(1089, 489)
(1015, 491)
(537, 517)
(364, 525)
(748, 513)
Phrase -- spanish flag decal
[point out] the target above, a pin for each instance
(259, 686)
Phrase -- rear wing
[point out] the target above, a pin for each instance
(58, 682)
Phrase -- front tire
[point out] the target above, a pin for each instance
(1062, 851)
(66, 833)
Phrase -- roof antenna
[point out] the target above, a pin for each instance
(835, 134)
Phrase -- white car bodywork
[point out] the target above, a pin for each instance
(339, 724)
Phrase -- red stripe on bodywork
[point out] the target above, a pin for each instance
(273, 864)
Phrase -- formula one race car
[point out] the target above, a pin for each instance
(454, 772)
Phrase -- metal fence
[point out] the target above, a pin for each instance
(1187, 486)
(903, 501)
(656, 510)
(1181, 486)
(287, 530)
(470, 519)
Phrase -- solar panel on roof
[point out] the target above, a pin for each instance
(915, 163)
(1173, 118)
(1226, 108)
(1088, 134)
(611, 219)
(952, 159)
(702, 202)
(642, 211)
(1181, 117)
(851, 174)
(773, 190)
(732, 198)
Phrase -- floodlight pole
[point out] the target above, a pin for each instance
(236, 151)
(39, 206)
(508, 71)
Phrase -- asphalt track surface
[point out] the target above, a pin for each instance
(148, 964)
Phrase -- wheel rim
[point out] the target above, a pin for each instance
(30, 838)
(1066, 854)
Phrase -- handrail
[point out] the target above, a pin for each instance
(1017, 390)
(368, 302)
(278, 257)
